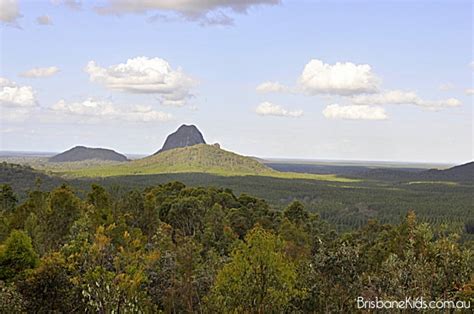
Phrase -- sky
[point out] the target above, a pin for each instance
(342, 80)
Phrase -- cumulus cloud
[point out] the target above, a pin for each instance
(40, 72)
(268, 109)
(469, 91)
(72, 4)
(354, 112)
(398, 97)
(204, 12)
(44, 20)
(13, 95)
(100, 109)
(471, 65)
(446, 87)
(342, 79)
(146, 76)
(271, 87)
(9, 11)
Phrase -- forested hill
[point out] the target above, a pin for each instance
(464, 172)
(461, 173)
(172, 248)
(197, 158)
(80, 153)
(24, 178)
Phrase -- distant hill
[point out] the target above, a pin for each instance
(80, 153)
(461, 173)
(200, 158)
(464, 172)
(197, 158)
(24, 178)
(186, 135)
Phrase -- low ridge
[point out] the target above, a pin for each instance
(186, 135)
(80, 153)
(464, 172)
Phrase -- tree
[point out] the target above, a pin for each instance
(113, 272)
(296, 213)
(64, 207)
(100, 201)
(258, 279)
(217, 233)
(48, 289)
(8, 199)
(16, 255)
(186, 214)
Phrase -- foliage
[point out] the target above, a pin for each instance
(180, 249)
(16, 255)
(258, 278)
(10, 300)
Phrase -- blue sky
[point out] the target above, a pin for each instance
(419, 53)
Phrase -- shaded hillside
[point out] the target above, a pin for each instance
(81, 153)
(24, 178)
(344, 204)
(186, 135)
(464, 172)
(461, 173)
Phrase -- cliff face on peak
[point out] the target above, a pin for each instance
(186, 135)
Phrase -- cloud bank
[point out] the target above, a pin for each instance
(44, 20)
(145, 75)
(107, 110)
(9, 11)
(268, 109)
(204, 12)
(354, 112)
(13, 95)
(40, 72)
(398, 97)
(271, 87)
(343, 79)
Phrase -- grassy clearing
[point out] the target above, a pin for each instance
(126, 170)
(434, 182)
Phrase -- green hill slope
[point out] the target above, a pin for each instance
(197, 158)
(200, 158)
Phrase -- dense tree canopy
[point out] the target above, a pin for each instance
(179, 249)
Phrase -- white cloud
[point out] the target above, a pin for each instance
(40, 72)
(205, 12)
(147, 76)
(469, 91)
(9, 11)
(271, 87)
(100, 109)
(13, 95)
(398, 97)
(72, 4)
(11, 114)
(268, 109)
(471, 65)
(44, 20)
(446, 87)
(343, 79)
(354, 112)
